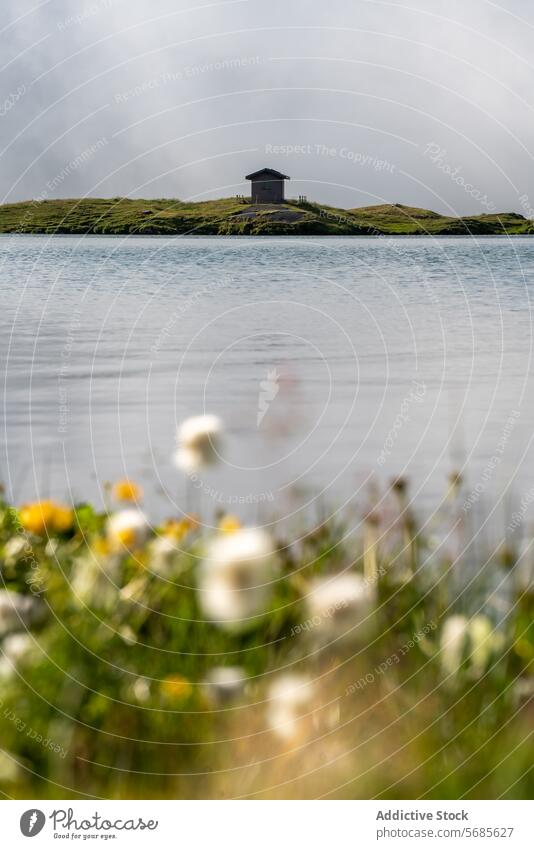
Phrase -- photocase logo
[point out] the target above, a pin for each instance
(269, 389)
(32, 822)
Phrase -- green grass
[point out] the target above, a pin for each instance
(122, 216)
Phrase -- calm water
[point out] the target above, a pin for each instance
(369, 357)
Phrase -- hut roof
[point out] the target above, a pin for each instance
(266, 173)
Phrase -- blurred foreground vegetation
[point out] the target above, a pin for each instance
(367, 658)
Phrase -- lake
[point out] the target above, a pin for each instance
(334, 362)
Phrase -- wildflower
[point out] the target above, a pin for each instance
(177, 687)
(10, 771)
(141, 690)
(51, 547)
(127, 490)
(46, 517)
(13, 548)
(17, 646)
(101, 547)
(453, 643)
(198, 441)
(95, 575)
(229, 524)
(289, 697)
(474, 640)
(162, 554)
(178, 530)
(128, 528)
(63, 519)
(35, 518)
(225, 682)
(235, 578)
(484, 642)
(340, 599)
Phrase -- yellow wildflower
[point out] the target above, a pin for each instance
(101, 547)
(229, 524)
(46, 517)
(177, 687)
(177, 530)
(63, 519)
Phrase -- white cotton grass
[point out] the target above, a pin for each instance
(15, 648)
(198, 443)
(290, 698)
(236, 578)
(224, 683)
(340, 602)
(127, 528)
(141, 690)
(14, 548)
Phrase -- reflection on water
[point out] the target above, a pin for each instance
(330, 360)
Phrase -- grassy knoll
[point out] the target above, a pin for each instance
(122, 216)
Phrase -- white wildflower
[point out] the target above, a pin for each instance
(141, 690)
(198, 442)
(94, 580)
(17, 646)
(162, 552)
(485, 641)
(344, 600)
(290, 696)
(14, 547)
(454, 639)
(51, 547)
(225, 682)
(236, 577)
(9, 768)
(128, 528)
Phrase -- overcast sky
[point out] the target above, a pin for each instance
(360, 101)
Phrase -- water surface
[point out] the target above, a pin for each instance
(369, 358)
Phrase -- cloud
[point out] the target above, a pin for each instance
(183, 99)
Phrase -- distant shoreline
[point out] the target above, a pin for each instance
(237, 217)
